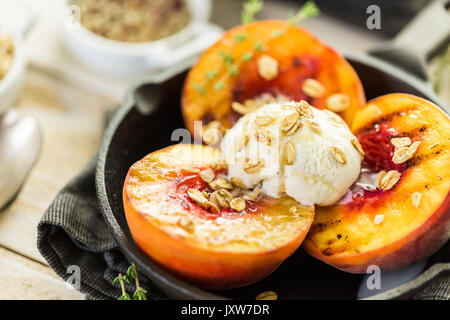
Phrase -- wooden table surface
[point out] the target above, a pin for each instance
(69, 102)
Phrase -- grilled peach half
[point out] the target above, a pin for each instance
(229, 72)
(405, 220)
(209, 248)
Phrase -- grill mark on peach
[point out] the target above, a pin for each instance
(329, 251)
(417, 134)
(321, 226)
(413, 134)
(385, 118)
(421, 158)
(378, 198)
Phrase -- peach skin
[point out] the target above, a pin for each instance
(295, 63)
(212, 249)
(407, 218)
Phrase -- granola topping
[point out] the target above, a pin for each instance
(389, 180)
(207, 175)
(252, 167)
(264, 120)
(221, 183)
(401, 142)
(315, 126)
(313, 88)
(288, 153)
(238, 204)
(252, 195)
(304, 109)
(238, 183)
(339, 155)
(416, 197)
(403, 154)
(267, 295)
(290, 124)
(267, 67)
(212, 132)
(338, 102)
(221, 198)
(358, 146)
(190, 170)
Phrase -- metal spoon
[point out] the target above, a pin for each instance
(20, 145)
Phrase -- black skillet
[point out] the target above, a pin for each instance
(151, 112)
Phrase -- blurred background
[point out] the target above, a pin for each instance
(74, 76)
(342, 24)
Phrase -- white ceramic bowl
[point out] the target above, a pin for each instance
(121, 58)
(11, 84)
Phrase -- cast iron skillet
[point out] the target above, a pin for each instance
(151, 112)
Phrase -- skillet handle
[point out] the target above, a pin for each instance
(419, 40)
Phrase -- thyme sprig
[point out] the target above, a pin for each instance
(131, 275)
(250, 9)
(140, 293)
(120, 278)
(308, 10)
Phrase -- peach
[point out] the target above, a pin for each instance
(214, 250)
(228, 72)
(407, 223)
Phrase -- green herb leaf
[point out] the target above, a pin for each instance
(259, 46)
(250, 9)
(308, 10)
(219, 85)
(131, 272)
(291, 18)
(116, 280)
(232, 69)
(226, 57)
(210, 74)
(247, 56)
(239, 37)
(125, 296)
(200, 89)
(276, 34)
(126, 279)
(140, 294)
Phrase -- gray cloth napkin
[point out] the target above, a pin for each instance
(439, 289)
(73, 232)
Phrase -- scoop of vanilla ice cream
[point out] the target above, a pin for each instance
(293, 148)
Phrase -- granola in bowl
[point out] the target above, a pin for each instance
(6, 54)
(133, 20)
